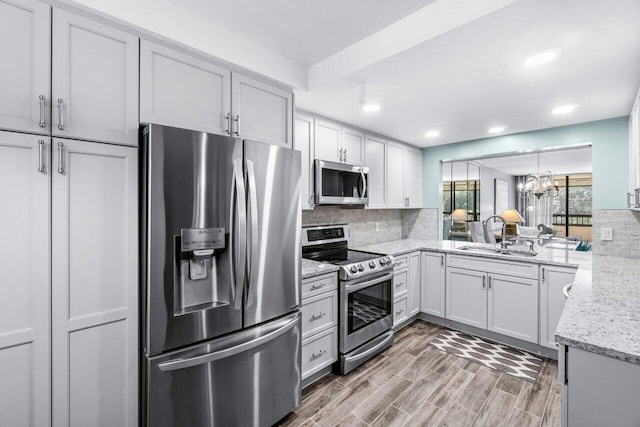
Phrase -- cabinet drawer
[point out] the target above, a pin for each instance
(400, 280)
(492, 265)
(400, 309)
(319, 284)
(319, 313)
(402, 261)
(319, 351)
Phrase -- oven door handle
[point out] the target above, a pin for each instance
(357, 286)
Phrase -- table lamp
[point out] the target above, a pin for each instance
(511, 218)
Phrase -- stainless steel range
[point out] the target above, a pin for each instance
(365, 297)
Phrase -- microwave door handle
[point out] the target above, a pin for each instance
(238, 261)
(362, 285)
(253, 212)
(364, 183)
(175, 364)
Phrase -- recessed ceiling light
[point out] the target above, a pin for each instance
(370, 108)
(542, 57)
(432, 133)
(497, 129)
(564, 109)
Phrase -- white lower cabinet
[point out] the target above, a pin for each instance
(414, 283)
(70, 283)
(406, 287)
(319, 323)
(552, 300)
(432, 285)
(400, 309)
(503, 303)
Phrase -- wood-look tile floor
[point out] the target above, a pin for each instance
(413, 384)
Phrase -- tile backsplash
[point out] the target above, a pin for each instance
(626, 233)
(393, 224)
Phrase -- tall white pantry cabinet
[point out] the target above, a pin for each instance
(68, 220)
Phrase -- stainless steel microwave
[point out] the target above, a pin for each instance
(340, 184)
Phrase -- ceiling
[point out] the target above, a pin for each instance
(452, 65)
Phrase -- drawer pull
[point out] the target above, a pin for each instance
(398, 264)
(318, 354)
(399, 284)
(318, 285)
(318, 316)
(399, 312)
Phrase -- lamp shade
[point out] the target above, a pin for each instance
(459, 215)
(512, 215)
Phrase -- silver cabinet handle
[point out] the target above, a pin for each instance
(484, 281)
(41, 156)
(637, 197)
(60, 164)
(399, 312)
(543, 279)
(399, 284)
(237, 120)
(441, 260)
(345, 155)
(629, 196)
(340, 155)
(318, 285)
(318, 354)
(318, 316)
(228, 119)
(489, 282)
(43, 122)
(60, 114)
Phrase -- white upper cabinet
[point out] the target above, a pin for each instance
(375, 160)
(352, 146)
(395, 176)
(25, 170)
(180, 90)
(404, 176)
(94, 80)
(304, 142)
(413, 177)
(328, 141)
(633, 196)
(95, 284)
(261, 112)
(25, 48)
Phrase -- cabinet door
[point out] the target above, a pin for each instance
(94, 80)
(552, 300)
(25, 284)
(413, 177)
(467, 297)
(513, 307)
(374, 159)
(303, 141)
(328, 144)
(395, 176)
(95, 285)
(432, 284)
(261, 112)
(25, 48)
(353, 146)
(414, 283)
(182, 91)
(400, 309)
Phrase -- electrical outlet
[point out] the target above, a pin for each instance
(377, 226)
(606, 233)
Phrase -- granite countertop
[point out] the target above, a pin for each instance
(314, 268)
(602, 313)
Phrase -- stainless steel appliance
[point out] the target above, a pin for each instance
(220, 280)
(365, 297)
(340, 184)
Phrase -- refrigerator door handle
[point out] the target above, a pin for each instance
(172, 365)
(238, 261)
(253, 215)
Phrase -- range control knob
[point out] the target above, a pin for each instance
(387, 260)
(360, 267)
(372, 264)
(353, 269)
(381, 261)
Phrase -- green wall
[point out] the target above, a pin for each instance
(610, 142)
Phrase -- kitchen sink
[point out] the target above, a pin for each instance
(500, 251)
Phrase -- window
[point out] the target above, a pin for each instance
(572, 214)
(461, 195)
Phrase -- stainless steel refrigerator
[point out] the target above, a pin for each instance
(221, 299)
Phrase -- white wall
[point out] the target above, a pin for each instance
(487, 190)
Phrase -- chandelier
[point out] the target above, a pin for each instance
(538, 184)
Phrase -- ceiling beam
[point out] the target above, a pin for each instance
(435, 19)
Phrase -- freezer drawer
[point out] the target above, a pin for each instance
(250, 378)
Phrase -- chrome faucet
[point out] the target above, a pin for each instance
(503, 243)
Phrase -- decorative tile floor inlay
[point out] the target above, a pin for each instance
(495, 356)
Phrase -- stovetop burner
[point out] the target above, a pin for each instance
(330, 244)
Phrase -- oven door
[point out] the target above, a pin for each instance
(365, 310)
(340, 184)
